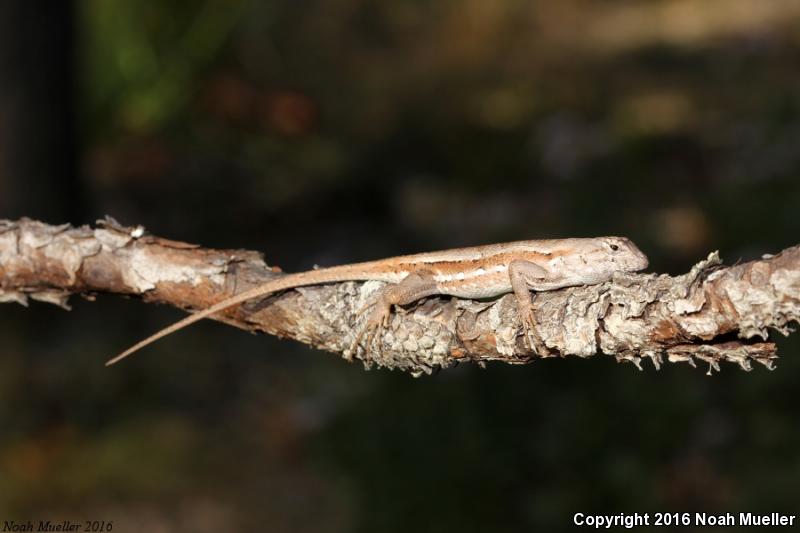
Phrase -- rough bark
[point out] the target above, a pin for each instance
(712, 314)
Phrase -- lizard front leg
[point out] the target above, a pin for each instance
(525, 276)
(414, 286)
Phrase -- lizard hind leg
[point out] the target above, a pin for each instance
(524, 276)
(377, 320)
(413, 287)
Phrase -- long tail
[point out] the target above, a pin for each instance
(313, 277)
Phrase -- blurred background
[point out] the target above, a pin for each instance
(331, 131)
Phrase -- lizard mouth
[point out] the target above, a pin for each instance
(642, 262)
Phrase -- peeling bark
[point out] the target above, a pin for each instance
(711, 314)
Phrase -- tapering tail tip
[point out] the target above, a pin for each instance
(117, 359)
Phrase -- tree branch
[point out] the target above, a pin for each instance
(711, 314)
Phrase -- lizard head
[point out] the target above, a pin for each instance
(620, 253)
(586, 261)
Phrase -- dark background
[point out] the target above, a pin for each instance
(326, 132)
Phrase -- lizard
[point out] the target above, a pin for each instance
(476, 272)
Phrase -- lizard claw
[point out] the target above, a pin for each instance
(352, 351)
(534, 341)
(378, 320)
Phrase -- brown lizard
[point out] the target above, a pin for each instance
(476, 272)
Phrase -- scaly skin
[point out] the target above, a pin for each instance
(475, 272)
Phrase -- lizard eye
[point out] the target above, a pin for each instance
(614, 247)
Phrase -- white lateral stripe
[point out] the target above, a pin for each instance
(477, 253)
(461, 276)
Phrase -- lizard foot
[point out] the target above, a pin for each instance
(378, 320)
(535, 342)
